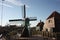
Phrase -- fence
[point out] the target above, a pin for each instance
(53, 35)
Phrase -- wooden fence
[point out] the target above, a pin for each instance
(53, 35)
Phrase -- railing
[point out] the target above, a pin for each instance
(46, 34)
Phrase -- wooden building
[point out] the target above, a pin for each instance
(40, 26)
(52, 23)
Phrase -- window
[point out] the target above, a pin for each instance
(47, 30)
(50, 21)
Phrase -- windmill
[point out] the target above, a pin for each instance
(26, 20)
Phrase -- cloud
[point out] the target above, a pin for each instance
(16, 2)
(12, 2)
(6, 5)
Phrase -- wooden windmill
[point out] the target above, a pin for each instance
(26, 20)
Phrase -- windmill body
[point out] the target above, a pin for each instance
(25, 32)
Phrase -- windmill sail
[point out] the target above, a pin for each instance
(16, 20)
(24, 11)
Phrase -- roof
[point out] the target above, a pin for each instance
(40, 23)
(54, 14)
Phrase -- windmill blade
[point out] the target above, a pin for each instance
(32, 18)
(16, 20)
(24, 11)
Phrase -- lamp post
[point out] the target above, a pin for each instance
(2, 13)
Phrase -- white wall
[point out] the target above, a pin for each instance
(48, 25)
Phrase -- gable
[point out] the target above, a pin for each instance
(54, 14)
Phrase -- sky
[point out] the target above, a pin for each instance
(41, 9)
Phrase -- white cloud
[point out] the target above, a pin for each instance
(6, 5)
(13, 2)
(16, 2)
(33, 23)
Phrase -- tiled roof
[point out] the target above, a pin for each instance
(40, 23)
(54, 14)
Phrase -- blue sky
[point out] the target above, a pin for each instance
(41, 9)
